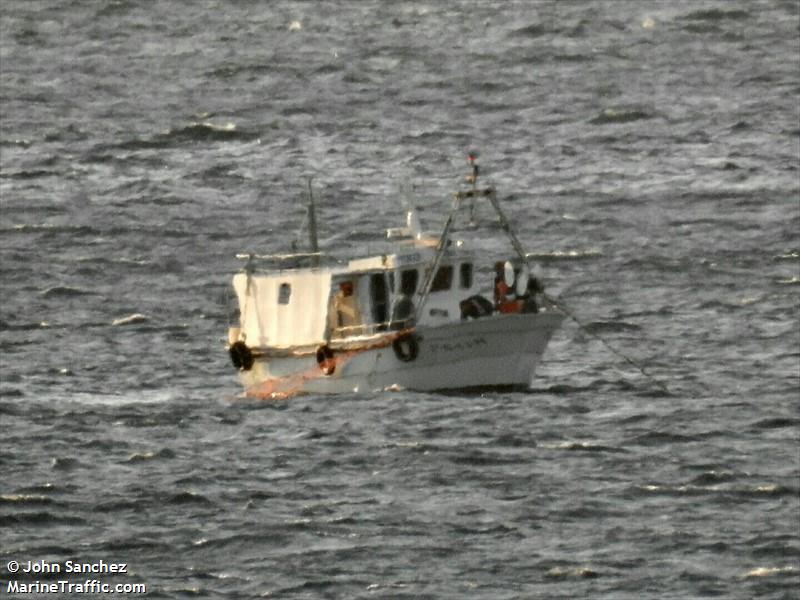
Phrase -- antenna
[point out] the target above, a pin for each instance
(312, 222)
(473, 178)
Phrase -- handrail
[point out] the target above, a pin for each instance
(369, 328)
(250, 256)
(297, 260)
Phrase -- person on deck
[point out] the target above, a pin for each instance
(502, 292)
(403, 310)
(529, 302)
(345, 312)
(505, 300)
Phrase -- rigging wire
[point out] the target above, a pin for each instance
(505, 224)
(661, 385)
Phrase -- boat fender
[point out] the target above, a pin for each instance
(406, 347)
(326, 360)
(241, 356)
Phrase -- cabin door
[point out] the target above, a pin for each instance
(379, 297)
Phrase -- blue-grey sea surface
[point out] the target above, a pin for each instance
(649, 156)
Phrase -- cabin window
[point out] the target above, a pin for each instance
(443, 279)
(465, 272)
(408, 282)
(284, 293)
(380, 298)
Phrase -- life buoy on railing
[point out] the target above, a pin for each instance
(326, 360)
(406, 347)
(241, 356)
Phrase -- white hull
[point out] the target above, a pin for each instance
(501, 350)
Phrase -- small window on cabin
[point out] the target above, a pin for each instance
(465, 272)
(408, 282)
(284, 293)
(443, 279)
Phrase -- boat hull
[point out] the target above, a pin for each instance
(497, 351)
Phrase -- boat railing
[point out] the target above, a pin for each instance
(285, 261)
(370, 329)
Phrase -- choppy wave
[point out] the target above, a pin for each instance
(164, 453)
(770, 572)
(530, 31)
(558, 255)
(597, 327)
(197, 132)
(134, 319)
(717, 14)
(587, 447)
(573, 572)
(65, 291)
(40, 518)
(25, 500)
(29, 174)
(610, 116)
(187, 498)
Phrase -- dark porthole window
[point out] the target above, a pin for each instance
(443, 279)
(465, 272)
(408, 281)
(284, 293)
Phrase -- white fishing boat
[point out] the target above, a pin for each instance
(425, 315)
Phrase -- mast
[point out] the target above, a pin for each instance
(473, 179)
(490, 193)
(312, 225)
(441, 246)
(312, 220)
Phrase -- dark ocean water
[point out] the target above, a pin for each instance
(650, 155)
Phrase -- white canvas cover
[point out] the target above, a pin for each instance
(268, 322)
